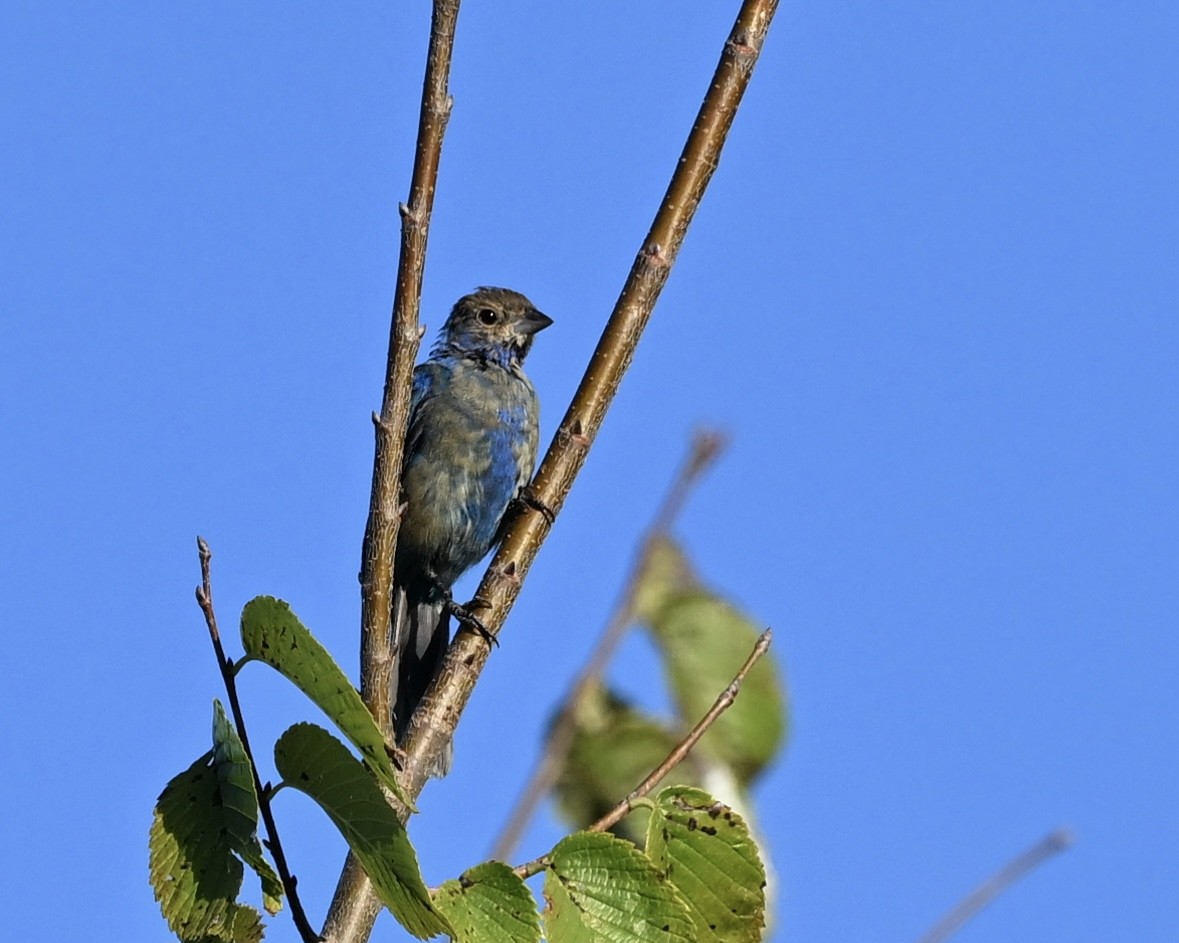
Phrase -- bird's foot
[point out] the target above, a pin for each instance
(527, 497)
(468, 620)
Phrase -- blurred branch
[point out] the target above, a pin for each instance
(204, 596)
(437, 716)
(705, 448)
(722, 703)
(1026, 861)
(354, 907)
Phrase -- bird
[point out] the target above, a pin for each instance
(470, 448)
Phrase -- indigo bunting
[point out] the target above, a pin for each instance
(470, 448)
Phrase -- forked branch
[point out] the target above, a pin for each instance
(354, 907)
(436, 718)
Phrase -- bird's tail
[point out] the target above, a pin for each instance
(421, 633)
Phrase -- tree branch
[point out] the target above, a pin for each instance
(722, 703)
(1023, 863)
(204, 595)
(354, 907)
(705, 448)
(437, 716)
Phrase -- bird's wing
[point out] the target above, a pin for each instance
(428, 379)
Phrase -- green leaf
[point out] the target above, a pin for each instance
(666, 571)
(274, 634)
(193, 871)
(313, 761)
(614, 747)
(489, 904)
(706, 851)
(239, 803)
(601, 888)
(705, 640)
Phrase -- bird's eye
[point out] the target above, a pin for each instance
(487, 316)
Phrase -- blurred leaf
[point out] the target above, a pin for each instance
(601, 888)
(666, 571)
(613, 749)
(193, 871)
(313, 761)
(239, 805)
(274, 634)
(489, 904)
(705, 640)
(707, 852)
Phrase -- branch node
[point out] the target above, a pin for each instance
(510, 573)
(740, 46)
(573, 435)
(656, 256)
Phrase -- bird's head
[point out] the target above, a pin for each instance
(495, 324)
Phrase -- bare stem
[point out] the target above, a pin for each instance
(436, 718)
(704, 450)
(204, 595)
(1027, 860)
(722, 703)
(354, 906)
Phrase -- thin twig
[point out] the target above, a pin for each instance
(722, 703)
(436, 718)
(204, 595)
(355, 906)
(1026, 861)
(706, 446)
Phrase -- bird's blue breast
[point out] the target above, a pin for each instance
(470, 447)
(503, 475)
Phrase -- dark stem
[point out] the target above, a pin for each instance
(204, 595)
(437, 716)
(705, 448)
(722, 703)
(1026, 861)
(354, 906)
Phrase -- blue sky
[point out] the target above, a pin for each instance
(931, 294)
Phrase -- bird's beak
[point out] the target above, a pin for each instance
(534, 321)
